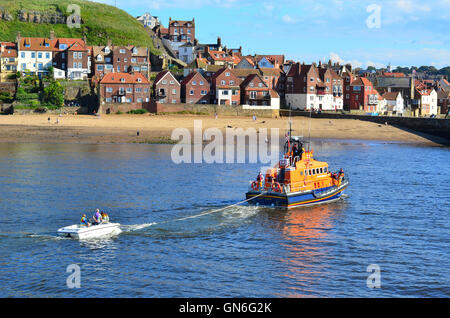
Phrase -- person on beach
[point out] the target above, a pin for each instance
(97, 217)
(84, 221)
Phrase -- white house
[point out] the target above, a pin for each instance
(148, 20)
(34, 55)
(394, 103)
(426, 101)
(186, 52)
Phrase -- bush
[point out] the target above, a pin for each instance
(53, 94)
(119, 112)
(138, 111)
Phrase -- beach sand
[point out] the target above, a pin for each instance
(158, 128)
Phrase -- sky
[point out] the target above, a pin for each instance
(364, 33)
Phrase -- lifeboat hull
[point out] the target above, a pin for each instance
(296, 199)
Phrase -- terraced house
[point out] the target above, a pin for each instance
(225, 89)
(35, 55)
(8, 58)
(181, 31)
(195, 89)
(72, 56)
(127, 88)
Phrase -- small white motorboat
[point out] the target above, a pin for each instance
(78, 231)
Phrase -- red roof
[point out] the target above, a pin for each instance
(8, 49)
(393, 74)
(34, 44)
(127, 78)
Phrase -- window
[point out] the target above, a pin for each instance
(138, 90)
(227, 74)
(234, 92)
(47, 55)
(194, 83)
(252, 95)
(222, 82)
(311, 88)
(201, 82)
(231, 82)
(22, 55)
(39, 55)
(122, 80)
(164, 82)
(129, 100)
(75, 64)
(118, 68)
(140, 100)
(122, 51)
(312, 79)
(225, 92)
(191, 92)
(129, 90)
(203, 92)
(174, 91)
(172, 82)
(133, 60)
(109, 89)
(80, 65)
(33, 55)
(108, 99)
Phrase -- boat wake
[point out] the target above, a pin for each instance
(136, 227)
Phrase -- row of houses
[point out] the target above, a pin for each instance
(70, 58)
(224, 87)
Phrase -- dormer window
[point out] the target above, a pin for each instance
(122, 80)
(107, 50)
(139, 80)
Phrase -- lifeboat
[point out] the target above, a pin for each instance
(297, 180)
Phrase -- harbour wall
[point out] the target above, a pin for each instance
(211, 109)
(433, 126)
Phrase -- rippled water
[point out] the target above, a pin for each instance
(395, 215)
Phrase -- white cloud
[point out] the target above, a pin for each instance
(288, 19)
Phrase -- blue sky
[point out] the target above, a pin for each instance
(399, 32)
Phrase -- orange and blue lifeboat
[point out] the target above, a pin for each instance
(297, 180)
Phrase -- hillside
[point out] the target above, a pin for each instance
(100, 22)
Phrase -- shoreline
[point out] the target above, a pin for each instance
(157, 129)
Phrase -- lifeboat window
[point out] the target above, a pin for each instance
(321, 170)
(310, 172)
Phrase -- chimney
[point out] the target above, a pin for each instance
(85, 39)
(18, 37)
(219, 41)
(52, 35)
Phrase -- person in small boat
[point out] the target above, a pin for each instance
(84, 220)
(97, 217)
(105, 217)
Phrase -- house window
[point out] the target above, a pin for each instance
(231, 82)
(138, 90)
(122, 51)
(201, 82)
(311, 88)
(109, 89)
(129, 90)
(22, 55)
(225, 92)
(33, 55)
(129, 100)
(39, 55)
(227, 74)
(222, 82)
(203, 92)
(191, 92)
(108, 99)
(47, 55)
(312, 79)
(172, 82)
(194, 83)
(75, 64)
(164, 82)
(80, 65)
(252, 95)
(174, 91)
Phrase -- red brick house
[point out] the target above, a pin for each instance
(225, 89)
(181, 31)
(72, 56)
(166, 88)
(195, 89)
(255, 91)
(125, 88)
(443, 101)
(363, 95)
(348, 78)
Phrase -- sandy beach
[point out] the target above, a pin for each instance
(158, 128)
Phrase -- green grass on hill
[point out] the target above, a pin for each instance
(100, 23)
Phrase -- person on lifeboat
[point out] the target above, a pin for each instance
(84, 221)
(97, 217)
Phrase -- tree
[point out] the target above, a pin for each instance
(53, 95)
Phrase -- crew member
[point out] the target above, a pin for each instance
(84, 221)
(260, 179)
(97, 217)
(105, 217)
